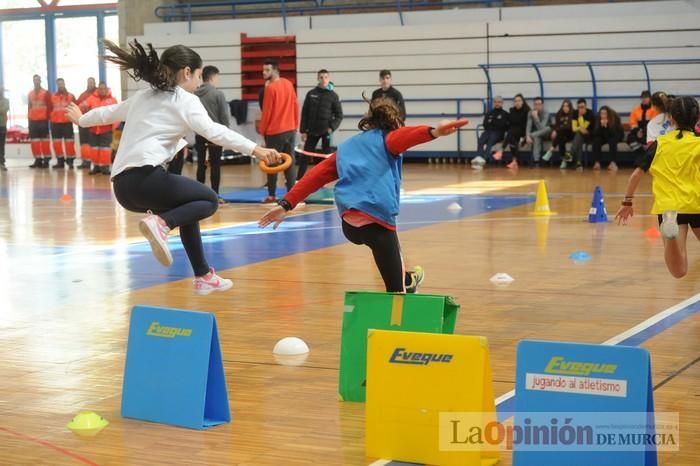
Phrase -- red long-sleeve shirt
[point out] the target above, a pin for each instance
(280, 112)
(397, 142)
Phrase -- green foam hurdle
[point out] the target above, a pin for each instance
(385, 311)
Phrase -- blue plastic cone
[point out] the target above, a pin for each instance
(598, 214)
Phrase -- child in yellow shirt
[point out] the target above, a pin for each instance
(673, 161)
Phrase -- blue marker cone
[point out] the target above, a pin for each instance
(598, 214)
(580, 256)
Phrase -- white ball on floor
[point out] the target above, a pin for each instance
(290, 346)
(454, 207)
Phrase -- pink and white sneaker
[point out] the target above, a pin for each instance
(154, 229)
(211, 282)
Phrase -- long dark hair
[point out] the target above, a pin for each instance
(525, 107)
(613, 118)
(561, 113)
(144, 64)
(684, 111)
(661, 101)
(383, 113)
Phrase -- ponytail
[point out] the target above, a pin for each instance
(684, 111)
(145, 65)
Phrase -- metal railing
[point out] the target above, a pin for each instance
(590, 65)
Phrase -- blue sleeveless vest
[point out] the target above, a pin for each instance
(369, 177)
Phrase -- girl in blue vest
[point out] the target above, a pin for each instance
(368, 169)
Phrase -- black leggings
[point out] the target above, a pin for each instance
(386, 250)
(215, 152)
(180, 201)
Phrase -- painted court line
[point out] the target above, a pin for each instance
(635, 336)
(49, 445)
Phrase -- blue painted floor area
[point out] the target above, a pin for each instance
(54, 194)
(246, 195)
(234, 247)
(76, 275)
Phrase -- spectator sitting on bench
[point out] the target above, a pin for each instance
(561, 133)
(606, 130)
(538, 129)
(518, 127)
(495, 124)
(639, 119)
(582, 124)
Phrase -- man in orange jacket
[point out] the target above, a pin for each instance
(100, 136)
(39, 108)
(279, 122)
(84, 133)
(61, 126)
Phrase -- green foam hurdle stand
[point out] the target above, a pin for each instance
(385, 311)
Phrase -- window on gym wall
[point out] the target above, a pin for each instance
(76, 60)
(113, 74)
(19, 66)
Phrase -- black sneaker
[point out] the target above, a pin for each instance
(36, 164)
(60, 163)
(3, 168)
(416, 277)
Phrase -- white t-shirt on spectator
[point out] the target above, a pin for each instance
(658, 126)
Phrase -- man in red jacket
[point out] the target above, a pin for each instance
(61, 126)
(279, 122)
(39, 108)
(100, 136)
(84, 133)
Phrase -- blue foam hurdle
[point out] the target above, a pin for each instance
(174, 370)
(590, 384)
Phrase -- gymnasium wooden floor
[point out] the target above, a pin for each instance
(70, 273)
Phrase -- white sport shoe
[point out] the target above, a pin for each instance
(154, 229)
(669, 224)
(210, 282)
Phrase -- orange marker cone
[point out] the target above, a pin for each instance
(66, 198)
(542, 201)
(652, 233)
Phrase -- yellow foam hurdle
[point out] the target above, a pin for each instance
(414, 381)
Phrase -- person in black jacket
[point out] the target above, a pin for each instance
(496, 123)
(387, 90)
(606, 130)
(321, 114)
(518, 127)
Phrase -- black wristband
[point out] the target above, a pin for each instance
(285, 204)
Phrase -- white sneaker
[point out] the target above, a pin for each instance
(210, 282)
(669, 224)
(154, 229)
